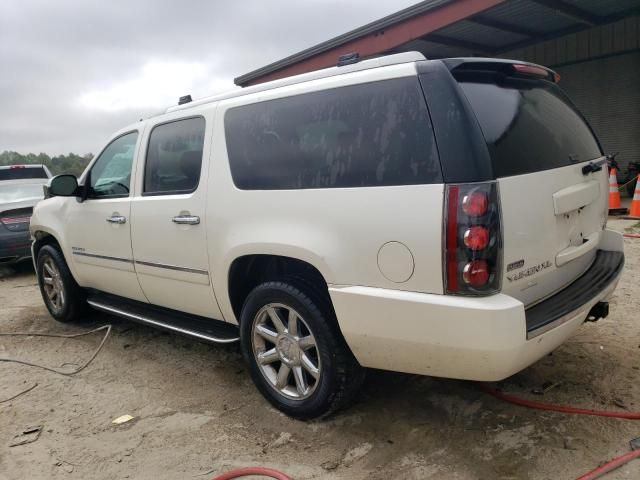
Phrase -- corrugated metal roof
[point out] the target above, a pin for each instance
(604, 7)
(473, 32)
(530, 14)
(432, 50)
(510, 25)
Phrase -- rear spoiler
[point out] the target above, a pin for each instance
(507, 67)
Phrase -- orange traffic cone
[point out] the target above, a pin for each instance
(634, 211)
(615, 207)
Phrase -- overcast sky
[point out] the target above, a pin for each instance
(72, 72)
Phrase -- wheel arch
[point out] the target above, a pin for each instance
(44, 237)
(40, 239)
(247, 271)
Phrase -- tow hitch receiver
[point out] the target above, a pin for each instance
(599, 310)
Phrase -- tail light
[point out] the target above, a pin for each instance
(16, 220)
(536, 71)
(473, 239)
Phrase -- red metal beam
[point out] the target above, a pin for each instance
(387, 39)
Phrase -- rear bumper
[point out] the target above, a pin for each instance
(483, 338)
(578, 298)
(14, 246)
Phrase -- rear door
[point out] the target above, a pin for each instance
(168, 232)
(553, 212)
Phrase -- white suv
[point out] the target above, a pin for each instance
(443, 217)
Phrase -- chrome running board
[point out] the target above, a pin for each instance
(205, 329)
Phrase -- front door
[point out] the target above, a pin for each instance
(99, 228)
(168, 215)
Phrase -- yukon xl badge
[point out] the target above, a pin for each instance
(528, 272)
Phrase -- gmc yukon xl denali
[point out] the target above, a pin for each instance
(438, 217)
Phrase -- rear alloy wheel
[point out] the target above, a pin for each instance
(62, 296)
(286, 351)
(295, 351)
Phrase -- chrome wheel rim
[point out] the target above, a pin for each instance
(53, 286)
(286, 351)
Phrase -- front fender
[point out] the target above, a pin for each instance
(47, 219)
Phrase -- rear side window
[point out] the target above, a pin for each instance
(529, 125)
(373, 134)
(21, 173)
(174, 157)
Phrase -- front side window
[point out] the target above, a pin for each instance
(367, 135)
(174, 157)
(111, 173)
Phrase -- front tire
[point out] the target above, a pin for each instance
(296, 355)
(62, 296)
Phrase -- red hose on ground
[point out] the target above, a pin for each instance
(245, 472)
(631, 235)
(558, 408)
(593, 474)
(611, 465)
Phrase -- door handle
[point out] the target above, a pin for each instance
(117, 219)
(186, 220)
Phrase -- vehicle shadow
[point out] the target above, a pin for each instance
(23, 268)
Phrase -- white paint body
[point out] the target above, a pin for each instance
(378, 248)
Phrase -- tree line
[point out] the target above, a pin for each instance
(70, 163)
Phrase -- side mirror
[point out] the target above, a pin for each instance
(63, 186)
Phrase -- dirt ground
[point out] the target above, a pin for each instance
(197, 413)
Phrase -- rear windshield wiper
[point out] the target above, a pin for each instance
(593, 167)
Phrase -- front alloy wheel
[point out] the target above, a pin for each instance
(62, 296)
(52, 285)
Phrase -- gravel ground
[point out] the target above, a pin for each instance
(196, 412)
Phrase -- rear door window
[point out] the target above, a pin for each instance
(529, 125)
(373, 134)
(174, 157)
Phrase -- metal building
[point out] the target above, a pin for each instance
(593, 44)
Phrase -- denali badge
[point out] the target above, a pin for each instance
(515, 265)
(529, 271)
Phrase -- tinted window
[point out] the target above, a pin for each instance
(111, 173)
(174, 157)
(363, 135)
(529, 126)
(20, 173)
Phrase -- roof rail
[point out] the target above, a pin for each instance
(383, 61)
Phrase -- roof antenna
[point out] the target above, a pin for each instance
(348, 59)
(185, 99)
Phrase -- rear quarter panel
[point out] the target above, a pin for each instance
(338, 230)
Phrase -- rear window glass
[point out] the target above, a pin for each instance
(373, 134)
(21, 173)
(529, 126)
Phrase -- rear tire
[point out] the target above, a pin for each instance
(296, 354)
(63, 297)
